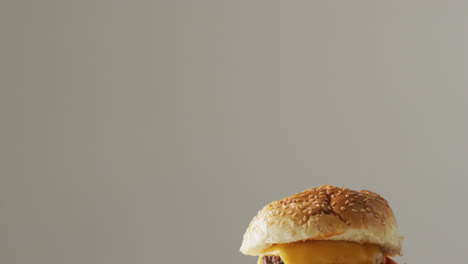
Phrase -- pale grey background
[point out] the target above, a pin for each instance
(153, 131)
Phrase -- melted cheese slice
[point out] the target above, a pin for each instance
(325, 252)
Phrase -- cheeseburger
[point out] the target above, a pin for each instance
(325, 225)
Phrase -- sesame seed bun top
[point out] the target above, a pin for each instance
(325, 213)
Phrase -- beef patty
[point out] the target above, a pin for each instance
(272, 260)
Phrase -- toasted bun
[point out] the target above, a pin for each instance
(325, 213)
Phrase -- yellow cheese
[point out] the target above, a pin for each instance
(325, 252)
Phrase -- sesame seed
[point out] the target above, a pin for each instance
(343, 208)
(363, 210)
(294, 215)
(351, 204)
(347, 195)
(333, 204)
(354, 210)
(305, 218)
(368, 209)
(346, 202)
